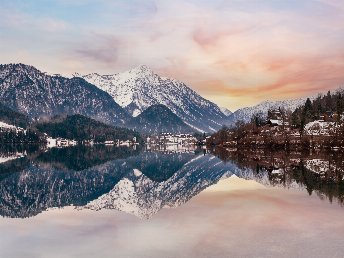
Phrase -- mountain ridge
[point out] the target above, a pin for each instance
(36, 94)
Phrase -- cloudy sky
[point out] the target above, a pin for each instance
(235, 53)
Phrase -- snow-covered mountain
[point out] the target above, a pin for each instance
(140, 88)
(245, 114)
(27, 90)
(225, 111)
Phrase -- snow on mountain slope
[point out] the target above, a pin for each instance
(245, 114)
(226, 111)
(12, 156)
(140, 88)
(7, 126)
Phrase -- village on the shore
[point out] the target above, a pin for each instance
(278, 131)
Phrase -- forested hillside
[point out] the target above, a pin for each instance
(324, 107)
(81, 128)
(9, 116)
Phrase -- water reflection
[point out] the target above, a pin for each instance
(144, 181)
(317, 172)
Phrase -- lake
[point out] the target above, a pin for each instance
(170, 201)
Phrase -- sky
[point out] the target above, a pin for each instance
(234, 53)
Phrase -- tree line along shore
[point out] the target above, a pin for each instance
(318, 124)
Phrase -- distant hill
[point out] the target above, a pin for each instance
(79, 127)
(9, 116)
(245, 114)
(159, 119)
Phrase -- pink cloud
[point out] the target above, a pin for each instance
(247, 55)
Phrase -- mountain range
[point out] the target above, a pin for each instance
(113, 99)
(138, 99)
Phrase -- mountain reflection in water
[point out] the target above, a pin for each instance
(143, 181)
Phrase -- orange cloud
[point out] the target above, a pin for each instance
(234, 54)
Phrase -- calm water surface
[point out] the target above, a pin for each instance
(168, 202)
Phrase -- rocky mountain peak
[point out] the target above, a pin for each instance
(140, 88)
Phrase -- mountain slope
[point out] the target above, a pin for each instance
(31, 92)
(159, 119)
(226, 111)
(140, 88)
